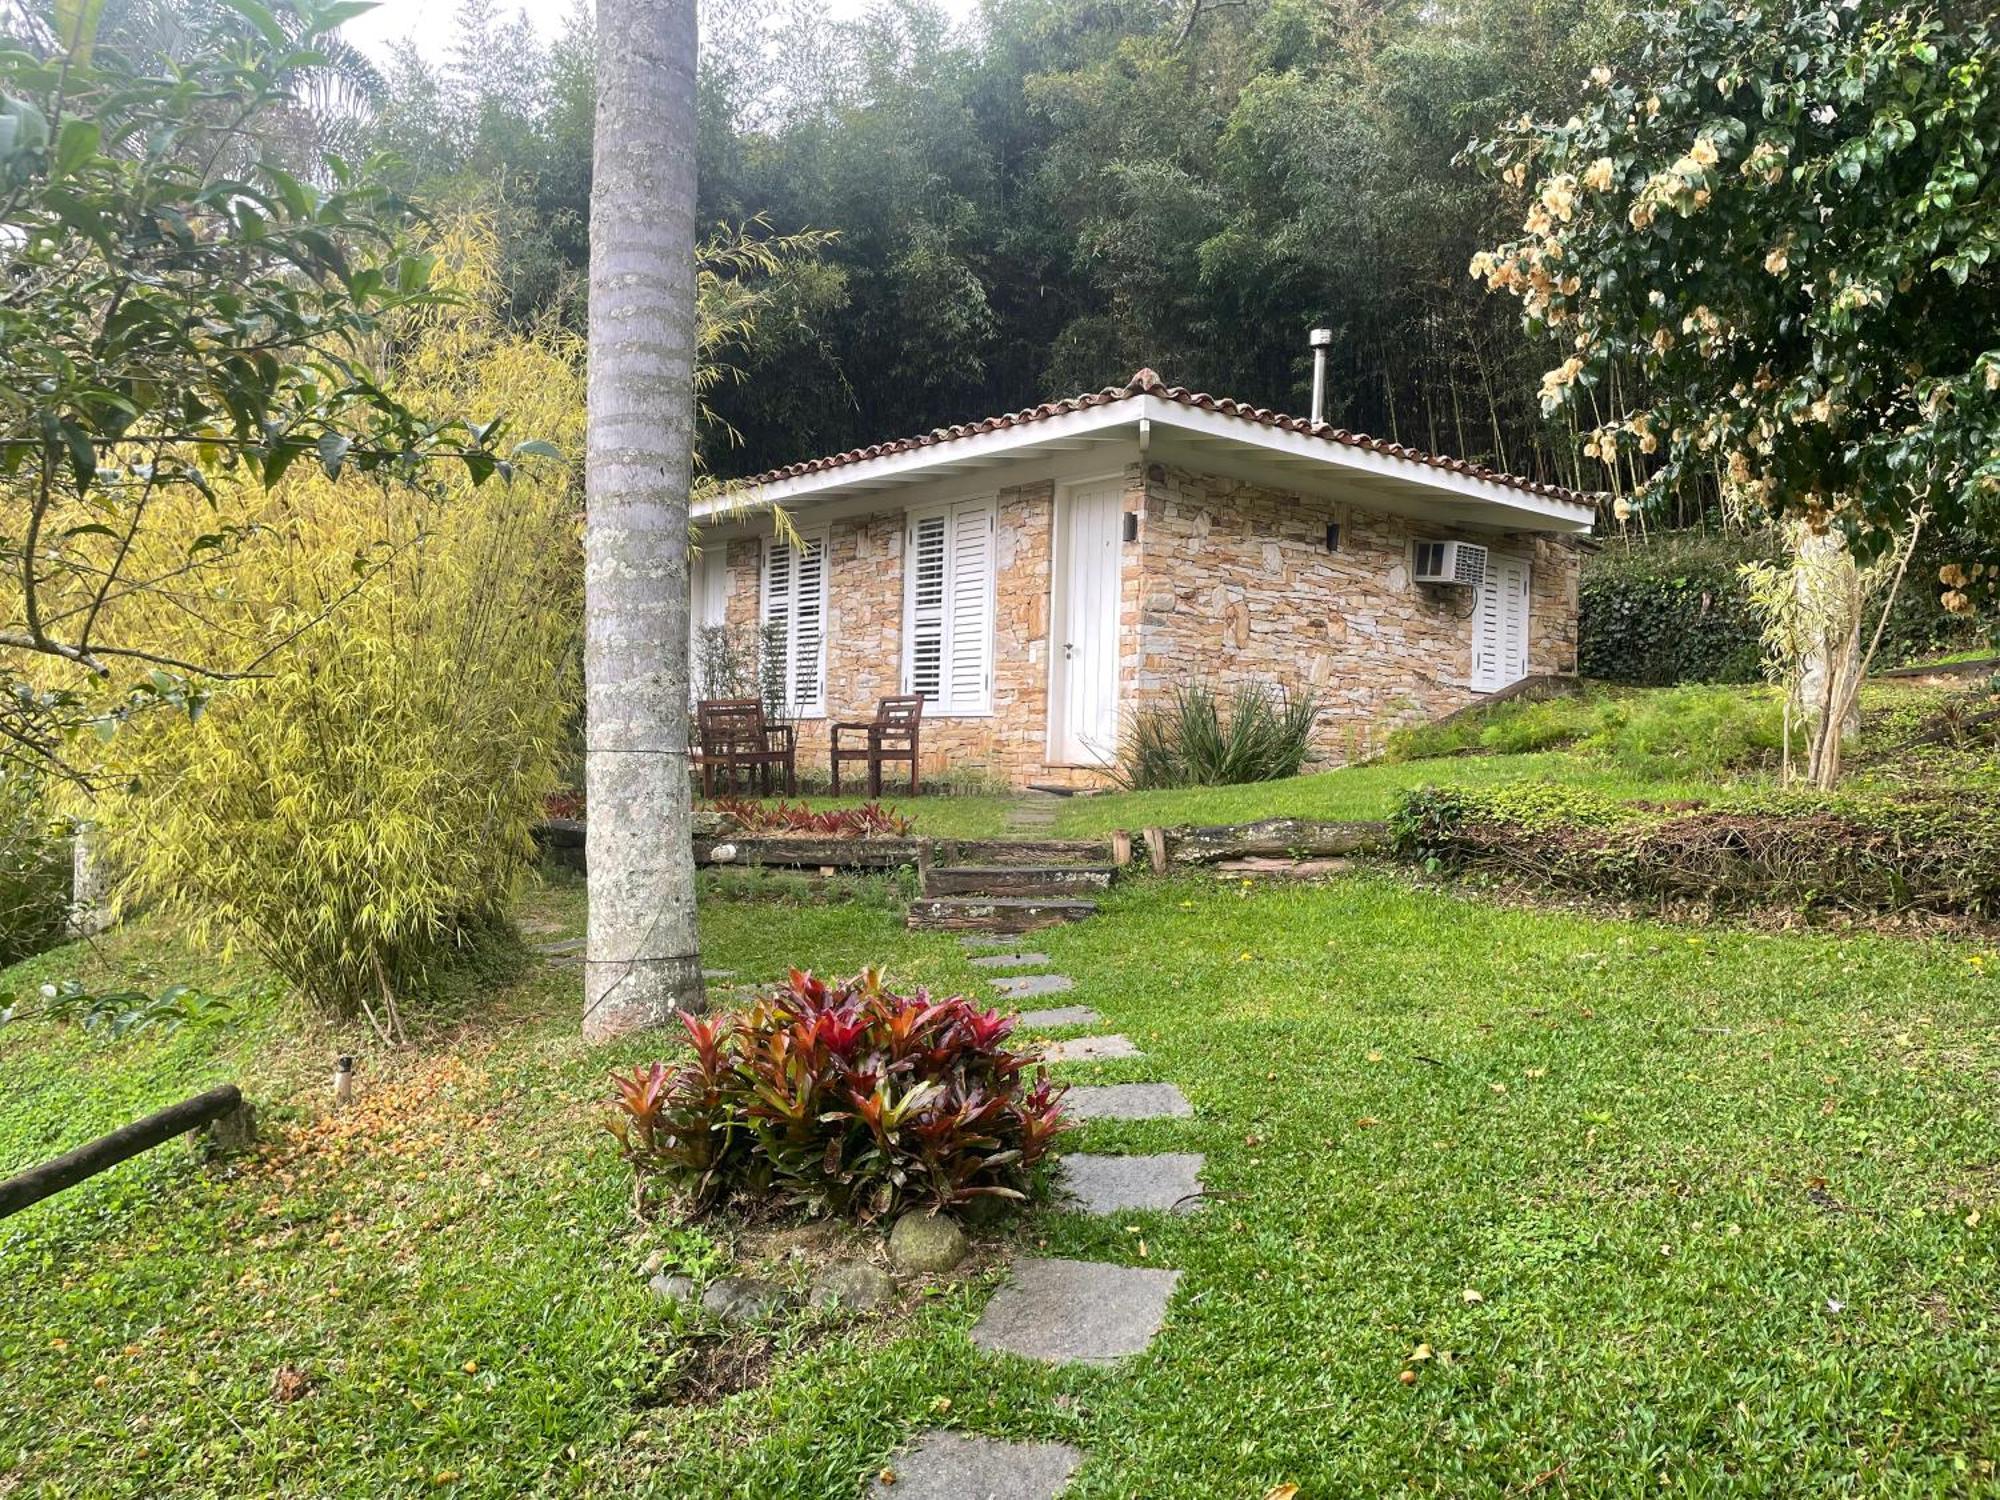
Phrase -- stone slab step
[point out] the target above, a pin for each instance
(1075, 1311)
(1169, 1182)
(942, 1465)
(1029, 986)
(996, 913)
(1060, 1015)
(1009, 960)
(1126, 1101)
(1090, 1049)
(1016, 880)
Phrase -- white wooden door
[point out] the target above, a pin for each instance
(1500, 625)
(1083, 696)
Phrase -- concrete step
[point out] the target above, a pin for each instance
(1016, 880)
(996, 913)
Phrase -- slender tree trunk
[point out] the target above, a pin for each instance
(643, 956)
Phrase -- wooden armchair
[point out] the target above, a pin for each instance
(890, 736)
(732, 735)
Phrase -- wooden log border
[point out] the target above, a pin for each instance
(86, 1161)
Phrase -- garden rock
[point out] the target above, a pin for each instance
(1090, 1049)
(1167, 1183)
(927, 1242)
(1027, 986)
(1079, 1311)
(1127, 1101)
(1060, 1015)
(955, 1466)
(856, 1285)
(740, 1299)
(673, 1288)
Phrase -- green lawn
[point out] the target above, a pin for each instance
(1730, 1201)
(1349, 792)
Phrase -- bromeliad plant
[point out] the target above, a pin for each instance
(842, 1098)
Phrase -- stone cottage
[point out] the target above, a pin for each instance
(1041, 576)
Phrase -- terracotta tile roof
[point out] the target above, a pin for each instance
(1147, 383)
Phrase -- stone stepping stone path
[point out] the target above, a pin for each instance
(1061, 1015)
(1011, 941)
(1009, 960)
(1091, 1049)
(1127, 1101)
(943, 1465)
(1052, 1310)
(1029, 986)
(1167, 1183)
(1075, 1311)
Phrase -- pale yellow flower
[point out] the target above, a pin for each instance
(1704, 151)
(1777, 261)
(1598, 175)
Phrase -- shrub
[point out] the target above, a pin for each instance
(1931, 853)
(870, 820)
(360, 810)
(842, 1099)
(1673, 609)
(34, 871)
(1266, 737)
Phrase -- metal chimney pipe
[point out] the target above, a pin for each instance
(1320, 339)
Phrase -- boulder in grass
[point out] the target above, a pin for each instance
(741, 1299)
(854, 1285)
(926, 1242)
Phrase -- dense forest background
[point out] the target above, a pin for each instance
(1062, 191)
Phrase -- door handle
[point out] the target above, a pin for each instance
(1069, 651)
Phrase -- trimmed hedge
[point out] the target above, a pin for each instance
(1673, 610)
(1935, 853)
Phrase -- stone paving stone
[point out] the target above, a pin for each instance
(1090, 1049)
(1011, 941)
(1079, 1311)
(1168, 1183)
(1127, 1101)
(954, 1466)
(1008, 960)
(1061, 1015)
(563, 948)
(1027, 986)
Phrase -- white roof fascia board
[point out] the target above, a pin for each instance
(893, 473)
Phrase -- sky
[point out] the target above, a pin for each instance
(430, 21)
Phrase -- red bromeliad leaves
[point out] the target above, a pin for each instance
(870, 820)
(846, 1098)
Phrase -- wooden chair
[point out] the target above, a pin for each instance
(890, 736)
(734, 736)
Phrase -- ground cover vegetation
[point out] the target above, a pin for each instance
(1629, 1183)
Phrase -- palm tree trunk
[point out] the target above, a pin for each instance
(643, 960)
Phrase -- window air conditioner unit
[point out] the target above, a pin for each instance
(1451, 562)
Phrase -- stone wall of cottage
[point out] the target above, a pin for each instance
(1236, 582)
(1225, 582)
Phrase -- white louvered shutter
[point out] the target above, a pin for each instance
(948, 608)
(808, 654)
(795, 612)
(923, 631)
(970, 658)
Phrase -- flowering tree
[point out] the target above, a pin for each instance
(1770, 253)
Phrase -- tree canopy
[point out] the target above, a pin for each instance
(1057, 195)
(1777, 225)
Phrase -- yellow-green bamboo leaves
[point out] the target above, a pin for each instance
(359, 807)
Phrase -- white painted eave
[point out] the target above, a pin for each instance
(1275, 456)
